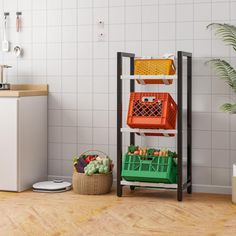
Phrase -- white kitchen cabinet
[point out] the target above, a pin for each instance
(23, 141)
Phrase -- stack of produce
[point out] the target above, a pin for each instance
(149, 165)
(163, 152)
(92, 164)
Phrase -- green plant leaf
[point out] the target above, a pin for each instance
(75, 159)
(228, 107)
(226, 32)
(224, 71)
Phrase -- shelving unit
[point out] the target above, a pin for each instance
(181, 185)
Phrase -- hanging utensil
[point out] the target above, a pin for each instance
(18, 51)
(18, 14)
(5, 43)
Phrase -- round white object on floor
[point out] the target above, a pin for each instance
(55, 186)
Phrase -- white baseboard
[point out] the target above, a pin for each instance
(212, 189)
(196, 187)
(66, 178)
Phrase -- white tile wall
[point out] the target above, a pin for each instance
(61, 45)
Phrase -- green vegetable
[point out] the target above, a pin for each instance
(172, 154)
(150, 152)
(105, 161)
(106, 169)
(132, 148)
(101, 169)
(98, 166)
(75, 159)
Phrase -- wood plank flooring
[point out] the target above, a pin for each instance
(140, 212)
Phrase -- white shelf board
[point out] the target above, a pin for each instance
(151, 131)
(146, 184)
(152, 77)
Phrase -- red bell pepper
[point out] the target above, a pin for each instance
(90, 158)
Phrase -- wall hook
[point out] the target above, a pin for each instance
(6, 14)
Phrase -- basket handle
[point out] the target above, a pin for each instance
(89, 151)
(149, 99)
(170, 56)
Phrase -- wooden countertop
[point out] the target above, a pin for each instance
(24, 90)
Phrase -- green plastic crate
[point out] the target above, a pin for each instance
(155, 169)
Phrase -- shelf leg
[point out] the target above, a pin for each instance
(180, 124)
(132, 89)
(189, 123)
(179, 195)
(119, 189)
(119, 123)
(189, 189)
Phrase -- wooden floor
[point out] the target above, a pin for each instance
(142, 212)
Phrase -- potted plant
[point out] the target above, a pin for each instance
(223, 69)
(226, 72)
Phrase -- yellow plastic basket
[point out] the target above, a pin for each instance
(154, 67)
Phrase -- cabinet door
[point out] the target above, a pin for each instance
(8, 144)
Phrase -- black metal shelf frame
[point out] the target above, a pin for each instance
(181, 186)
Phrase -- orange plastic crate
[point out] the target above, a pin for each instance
(151, 111)
(154, 67)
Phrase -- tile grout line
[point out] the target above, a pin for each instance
(230, 96)
(61, 94)
(176, 84)
(123, 84)
(108, 71)
(17, 62)
(211, 102)
(158, 47)
(48, 97)
(142, 139)
(77, 82)
(31, 43)
(92, 75)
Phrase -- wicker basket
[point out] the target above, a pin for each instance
(94, 184)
